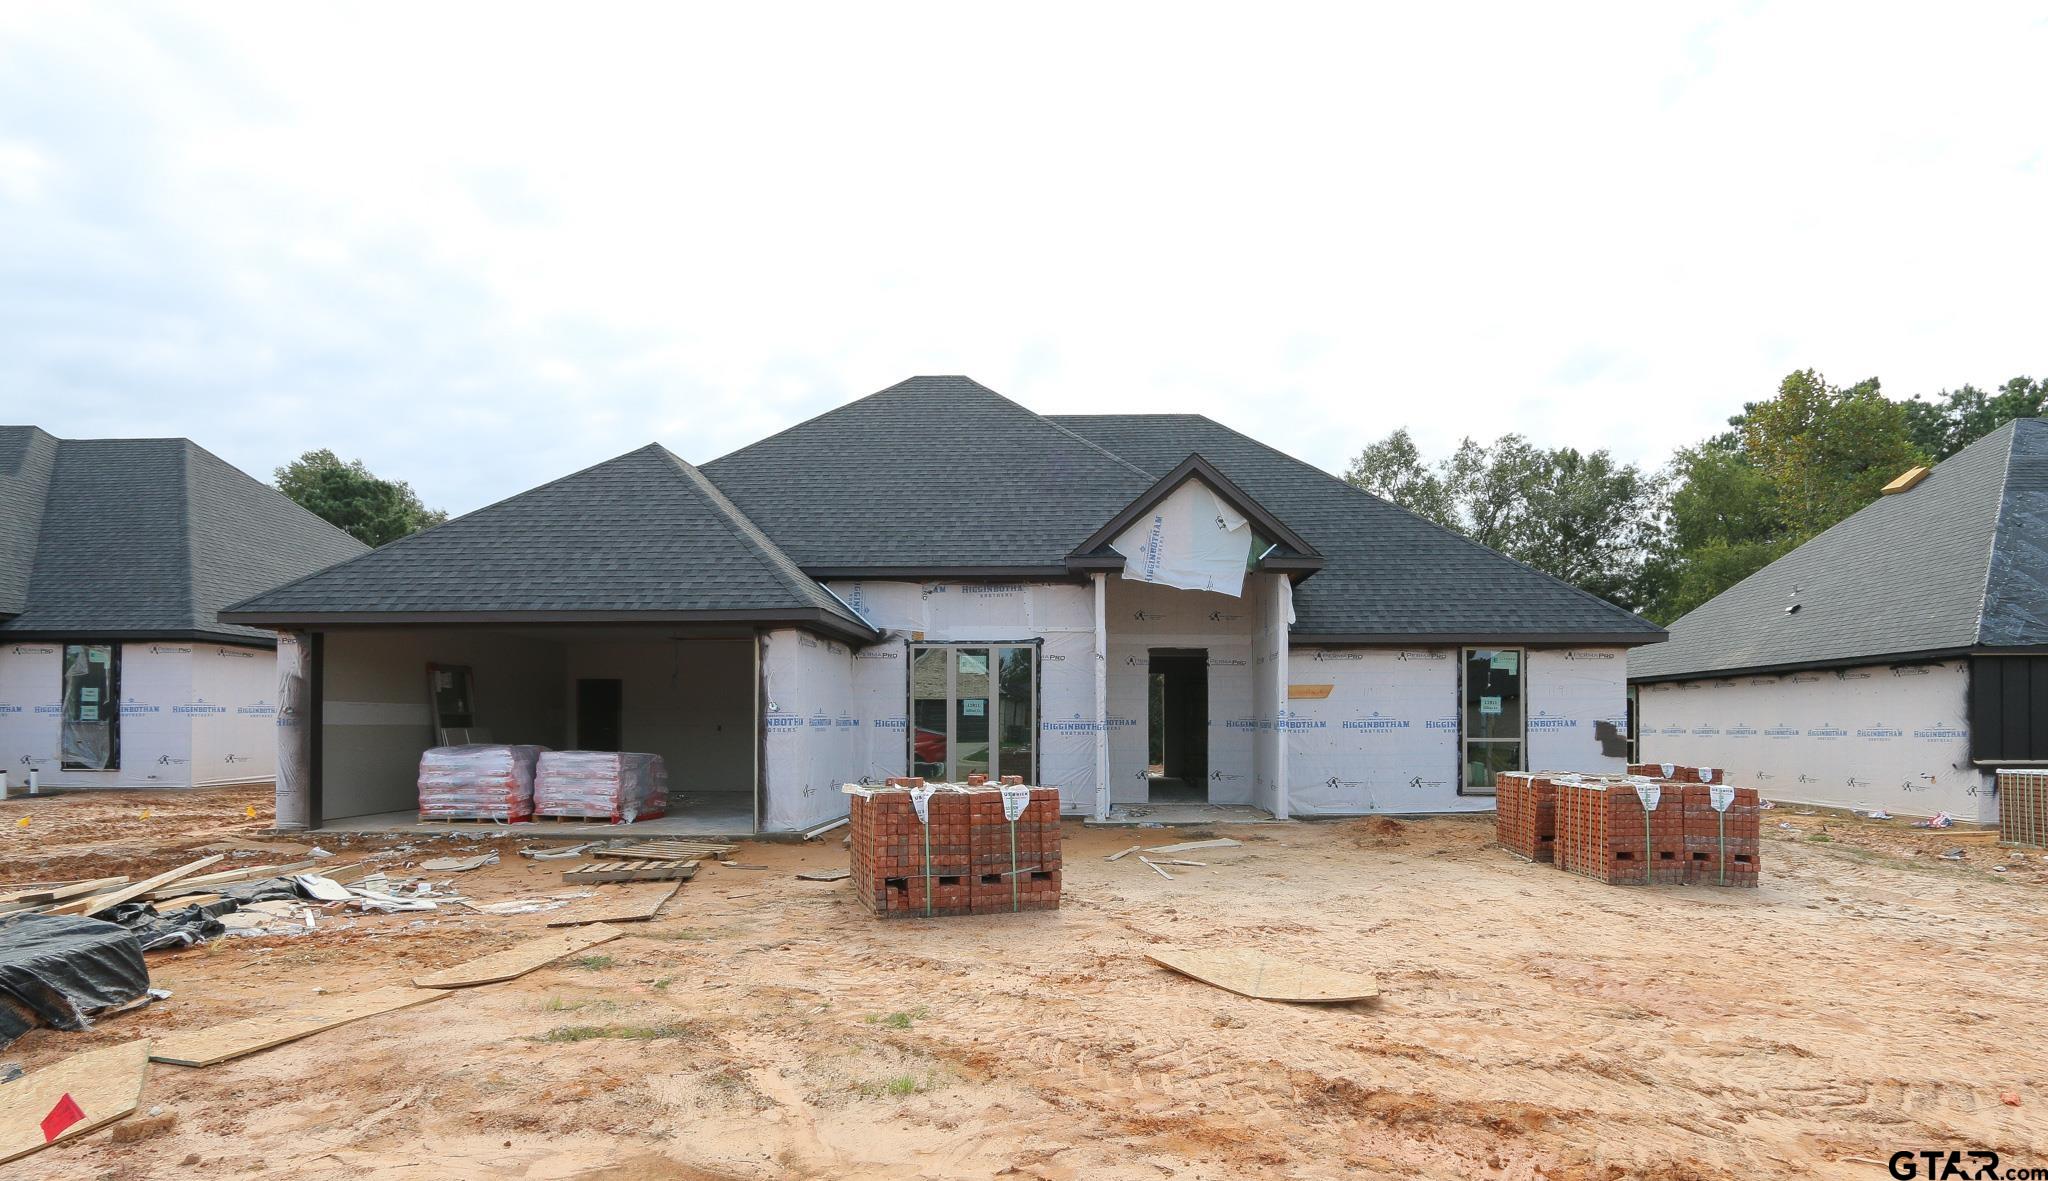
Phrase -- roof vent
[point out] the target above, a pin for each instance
(1906, 481)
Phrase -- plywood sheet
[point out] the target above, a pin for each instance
(517, 961)
(622, 904)
(105, 1084)
(204, 1047)
(1267, 977)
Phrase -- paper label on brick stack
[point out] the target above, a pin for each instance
(478, 782)
(616, 786)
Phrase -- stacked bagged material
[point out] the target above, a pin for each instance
(622, 786)
(478, 782)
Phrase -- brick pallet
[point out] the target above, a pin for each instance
(1525, 814)
(1679, 772)
(1723, 847)
(2023, 808)
(1602, 834)
(961, 857)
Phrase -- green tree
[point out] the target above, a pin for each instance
(1721, 525)
(1957, 418)
(348, 496)
(1583, 518)
(1392, 469)
(1826, 450)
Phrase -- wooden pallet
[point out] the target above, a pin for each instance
(633, 871)
(671, 850)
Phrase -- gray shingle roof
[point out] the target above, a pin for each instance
(933, 472)
(644, 536)
(1956, 562)
(1388, 573)
(111, 538)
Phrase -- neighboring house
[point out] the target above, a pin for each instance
(116, 556)
(1315, 650)
(1891, 662)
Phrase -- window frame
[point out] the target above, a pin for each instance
(113, 703)
(1466, 742)
(995, 703)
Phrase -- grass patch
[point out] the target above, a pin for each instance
(592, 963)
(680, 934)
(1819, 838)
(632, 1033)
(556, 1004)
(900, 1087)
(662, 984)
(899, 1020)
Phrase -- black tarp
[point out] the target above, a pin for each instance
(58, 968)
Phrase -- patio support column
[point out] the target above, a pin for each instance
(1283, 595)
(1101, 696)
(295, 731)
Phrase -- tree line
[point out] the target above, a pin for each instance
(1662, 542)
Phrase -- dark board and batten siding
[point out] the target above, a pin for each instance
(2009, 709)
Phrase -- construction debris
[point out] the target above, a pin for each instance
(1267, 977)
(1191, 846)
(517, 961)
(623, 904)
(205, 1047)
(71, 1097)
(824, 875)
(458, 864)
(667, 850)
(632, 871)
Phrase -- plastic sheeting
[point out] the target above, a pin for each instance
(621, 786)
(1191, 540)
(812, 739)
(192, 714)
(1578, 709)
(1383, 737)
(60, 968)
(478, 781)
(1877, 736)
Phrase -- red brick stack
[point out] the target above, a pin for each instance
(967, 840)
(1036, 872)
(1679, 773)
(1722, 848)
(1601, 832)
(1525, 814)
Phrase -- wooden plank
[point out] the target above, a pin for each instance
(1191, 846)
(228, 877)
(44, 894)
(668, 850)
(824, 875)
(99, 902)
(625, 904)
(105, 1084)
(1267, 977)
(632, 871)
(205, 1047)
(1155, 867)
(1120, 854)
(514, 962)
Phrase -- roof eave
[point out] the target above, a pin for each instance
(816, 617)
(1632, 639)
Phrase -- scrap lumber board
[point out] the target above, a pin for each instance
(1120, 854)
(104, 1084)
(515, 962)
(1191, 846)
(824, 875)
(99, 902)
(668, 850)
(205, 1047)
(633, 871)
(1266, 977)
(45, 895)
(227, 877)
(624, 905)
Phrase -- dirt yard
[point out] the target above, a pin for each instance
(1870, 997)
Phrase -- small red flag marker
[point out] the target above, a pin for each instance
(61, 1117)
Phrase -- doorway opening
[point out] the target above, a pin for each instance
(1177, 759)
(600, 714)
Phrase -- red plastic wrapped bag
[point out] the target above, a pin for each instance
(478, 782)
(623, 786)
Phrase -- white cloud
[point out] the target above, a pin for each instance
(483, 245)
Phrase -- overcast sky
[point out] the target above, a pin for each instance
(482, 247)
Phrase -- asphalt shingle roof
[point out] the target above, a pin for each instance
(107, 538)
(1958, 561)
(1388, 573)
(933, 472)
(641, 536)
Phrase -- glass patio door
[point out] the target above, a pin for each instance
(973, 709)
(1492, 724)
